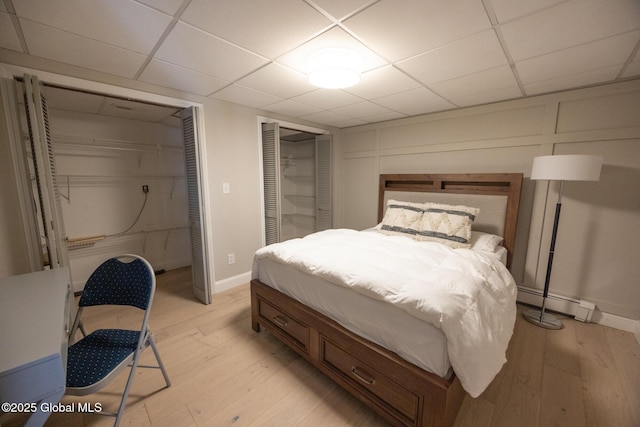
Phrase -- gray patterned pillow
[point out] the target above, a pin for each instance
(402, 218)
(447, 224)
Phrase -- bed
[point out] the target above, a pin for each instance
(409, 364)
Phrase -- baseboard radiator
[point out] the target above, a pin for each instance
(582, 310)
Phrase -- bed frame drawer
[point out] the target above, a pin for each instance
(400, 402)
(293, 329)
(400, 392)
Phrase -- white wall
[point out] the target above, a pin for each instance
(596, 252)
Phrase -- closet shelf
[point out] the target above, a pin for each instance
(112, 144)
(300, 177)
(294, 216)
(294, 197)
(108, 180)
(100, 179)
(89, 242)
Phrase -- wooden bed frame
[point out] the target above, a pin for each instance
(399, 391)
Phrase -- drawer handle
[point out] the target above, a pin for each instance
(367, 379)
(280, 320)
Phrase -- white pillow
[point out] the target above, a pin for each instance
(485, 241)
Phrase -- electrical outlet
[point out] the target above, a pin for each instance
(145, 189)
(231, 258)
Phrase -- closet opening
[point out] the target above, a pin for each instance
(296, 171)
(124, 178)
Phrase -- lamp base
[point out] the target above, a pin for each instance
(548, 321)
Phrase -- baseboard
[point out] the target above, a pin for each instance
(558, 303)
(618, 322)
(231, 282)
(580, 309)
(172, 265)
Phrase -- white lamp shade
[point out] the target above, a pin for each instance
(569, 167)
(334, 68)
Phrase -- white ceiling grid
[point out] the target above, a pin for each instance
(420, 56)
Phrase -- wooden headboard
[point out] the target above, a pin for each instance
(496, 194)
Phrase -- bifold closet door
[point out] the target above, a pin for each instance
(199, 270)
(271, 181)
(323, 182)
(44, 168)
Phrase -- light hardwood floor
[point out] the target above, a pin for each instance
(224, 374)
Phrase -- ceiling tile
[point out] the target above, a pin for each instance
(333, 119)
(414, 101)
(269, 28)
(572, 81)
(8, 37)
(506, 10)
(53, 44)
(479, 52)
(361, 109)
(192, 48)
(381, 82)
(278, 80)
(586, 57)
(246, 96)
(327, 99)
(335, 37)
(381, 117)
(343, 8)
(292, 108)
(569, 24)
(633, 69)
(399, 32)
(172, 76)
(487, 97)
(169, 7)
(112, 22)
(477, 83)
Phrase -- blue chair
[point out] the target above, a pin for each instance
(97, 358)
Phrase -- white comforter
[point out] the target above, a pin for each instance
(469, 294)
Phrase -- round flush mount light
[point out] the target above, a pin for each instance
(334, 68)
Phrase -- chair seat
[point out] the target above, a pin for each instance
(95, 356)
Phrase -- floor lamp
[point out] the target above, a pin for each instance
(571, 167)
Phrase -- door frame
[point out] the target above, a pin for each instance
(8, 71)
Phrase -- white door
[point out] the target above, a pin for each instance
(271, 181)
(199, 263)
(323, 182)
(44, 169)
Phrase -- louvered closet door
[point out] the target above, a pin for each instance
(199, 270)
(323, 182)
(45, 172)
(271, 181)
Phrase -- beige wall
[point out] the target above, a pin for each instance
(596, 252)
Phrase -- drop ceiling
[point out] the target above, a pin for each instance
(420, 56)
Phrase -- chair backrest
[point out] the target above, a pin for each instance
(116, 282)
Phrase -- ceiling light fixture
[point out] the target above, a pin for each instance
(334, 68)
